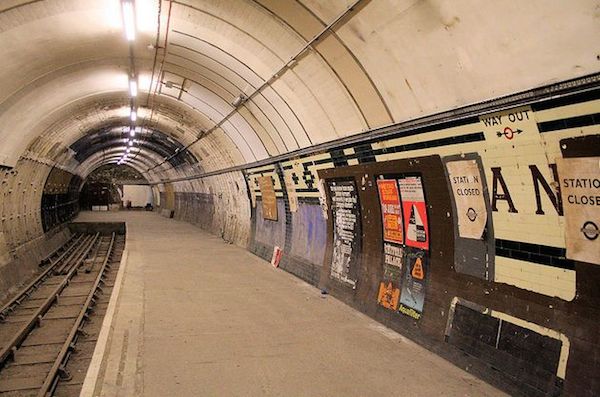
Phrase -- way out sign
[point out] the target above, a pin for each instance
(467, 189)
(580, 190)
(509, 126)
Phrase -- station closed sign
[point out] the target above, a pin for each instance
(580, 190)
(467, 190)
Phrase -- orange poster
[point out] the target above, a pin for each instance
(388, 295)
(391, 210)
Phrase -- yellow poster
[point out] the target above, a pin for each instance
(269, 201)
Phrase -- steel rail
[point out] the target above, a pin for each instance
(68, 251)
(68, 265)
(36, 318)
(67, 244)
(32, 286)
(65, 352)
(85, 255)
(92, 261)
(73, 254)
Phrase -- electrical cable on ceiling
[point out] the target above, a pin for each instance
(242, 99)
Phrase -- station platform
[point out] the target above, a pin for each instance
(196, 316)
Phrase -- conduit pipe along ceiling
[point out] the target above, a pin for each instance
(233, 82)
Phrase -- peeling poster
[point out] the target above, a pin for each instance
(269, 201)
(467, 189)
(291, 192)
(346, 231)
(580, 190)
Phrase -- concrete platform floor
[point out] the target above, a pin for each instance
(199, 317)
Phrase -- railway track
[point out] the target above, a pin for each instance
(49, 329)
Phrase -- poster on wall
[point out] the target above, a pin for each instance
(269, 201)
(291, 192)
(389, 287)
(391, 210)
(252, 193)
(467, 189)
(580, 189)
(322, 198)
(414, 212)
(346, 231)
(412, 297)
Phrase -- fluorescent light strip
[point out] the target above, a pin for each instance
(133, 88)
(133, 115)
(129, 20)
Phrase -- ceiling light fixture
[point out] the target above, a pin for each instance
(130, 143)
(129, 19)
(128, 150)
(133, 115)
(133, 88)
(132, 132)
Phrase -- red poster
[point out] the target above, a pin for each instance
(391, 211)
(415, 212)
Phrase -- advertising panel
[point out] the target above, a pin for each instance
(389, 287)
(414, 212)
(346, 231)
(391, 210)
(416, 273)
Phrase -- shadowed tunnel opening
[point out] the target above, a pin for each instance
(111, 186)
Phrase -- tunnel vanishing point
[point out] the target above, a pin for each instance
(431, 164)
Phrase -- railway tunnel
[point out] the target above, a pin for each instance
(299, 197)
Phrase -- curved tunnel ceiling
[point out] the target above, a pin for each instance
(305, 71)
(144, 140)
